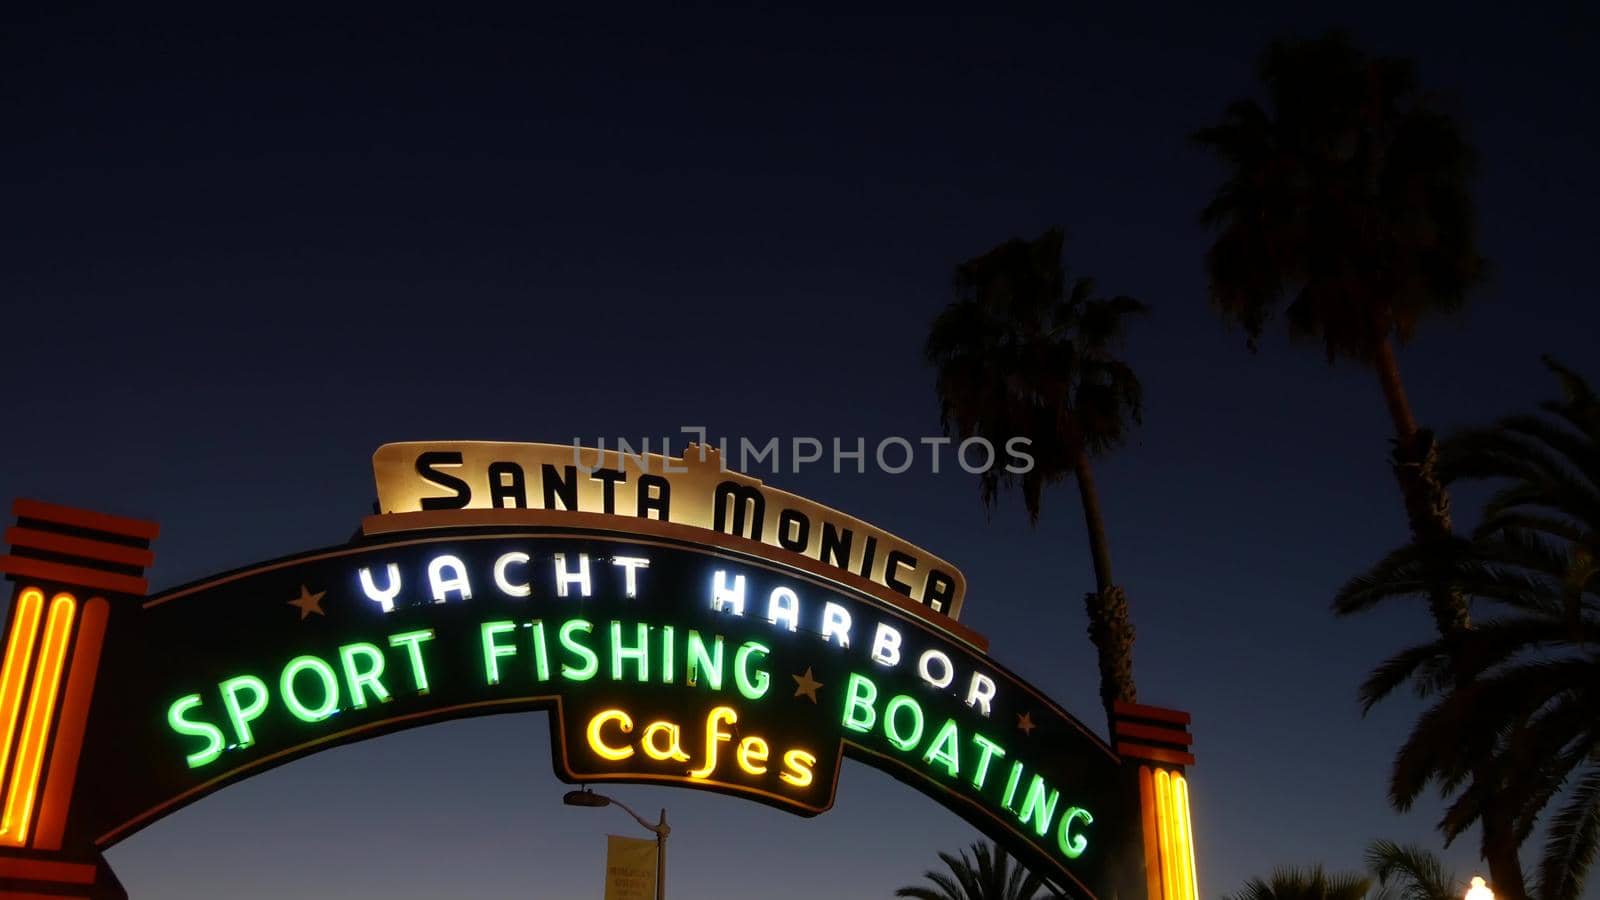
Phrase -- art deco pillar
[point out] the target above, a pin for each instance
(68, 567)
(1157, 741)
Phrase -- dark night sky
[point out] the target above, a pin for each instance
(240, 253)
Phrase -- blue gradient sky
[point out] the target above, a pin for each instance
(238, 255)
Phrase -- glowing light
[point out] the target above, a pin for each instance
(412, 641)
(980, 691)
(902, 741)
(599, 746)
(541, 654)
(797, 766)
(715, 736)
(330, 688)
(988, 750)
(752, 688)
(240, 716)
(1012, 781)
(860, 695)
(836, 623)
(24, 790)
(383, 597)
(673, 750)
(638, 653)
(565, 578)
(19, 656)
(363, 679)
(1479, 890)
(725, 598)
(751, 754)
(947, 675)
(886, 645)
(1072, 845)
(1175, 833)
(493, 649)
(213, 735)
(591, 663)
(945, 750)
(504, 583)
(784, 606)
(630, 566)
(457, 581)
(1038, 807)
(698, 659)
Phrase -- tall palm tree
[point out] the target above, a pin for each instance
(1346, 201)
(989, 874)
(1025, 351)
(1288, 883)
(1527, 714)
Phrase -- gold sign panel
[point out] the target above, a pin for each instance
(693, 490)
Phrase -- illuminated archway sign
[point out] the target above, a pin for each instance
(683, 625)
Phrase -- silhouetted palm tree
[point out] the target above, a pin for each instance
(989, 874)
(1024, 351)
(1408, 872)
(1346, 202)
(1288, 883)
(1529, 714)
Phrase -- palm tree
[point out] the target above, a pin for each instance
(1408, 872)
(1288, 883)
(1346, 201)
(1400, 873)
(1024, 351)
(988, 874)
(1523, 727)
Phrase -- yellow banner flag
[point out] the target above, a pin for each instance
(630, 868)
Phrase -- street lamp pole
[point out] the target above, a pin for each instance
(587, 797)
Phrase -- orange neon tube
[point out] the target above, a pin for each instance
(24, 788)
(14, 671)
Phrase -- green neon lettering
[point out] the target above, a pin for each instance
(944, 749)
(666, 654)
(751, 689)
(591, 663)
(1011, 786)
(903, 742)
(361, 680)
(241, 715)
(698, 658)
(541, 654)
(638, 654)
(330, 689)
(1036, 807)
(412, 641)
(493, 649)
(988, 750)
(190, 728)
(859, 696)
(1072, 845)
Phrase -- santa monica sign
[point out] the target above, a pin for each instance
(693, 628)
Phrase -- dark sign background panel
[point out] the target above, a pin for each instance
(254, 622)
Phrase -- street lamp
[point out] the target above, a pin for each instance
(589, 798)
(1478, 890)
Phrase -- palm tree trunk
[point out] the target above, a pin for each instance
(1107, 607)
(1415, 463)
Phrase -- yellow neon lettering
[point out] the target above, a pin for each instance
(721, 715)
(752, 752)
(599, 746)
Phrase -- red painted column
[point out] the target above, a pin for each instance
(68, 566)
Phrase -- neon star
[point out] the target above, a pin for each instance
(1025, 722)
(308, 602)
(805, 685)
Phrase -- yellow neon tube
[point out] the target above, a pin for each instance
(1185, 823)
(14, 671)
(24, 789)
